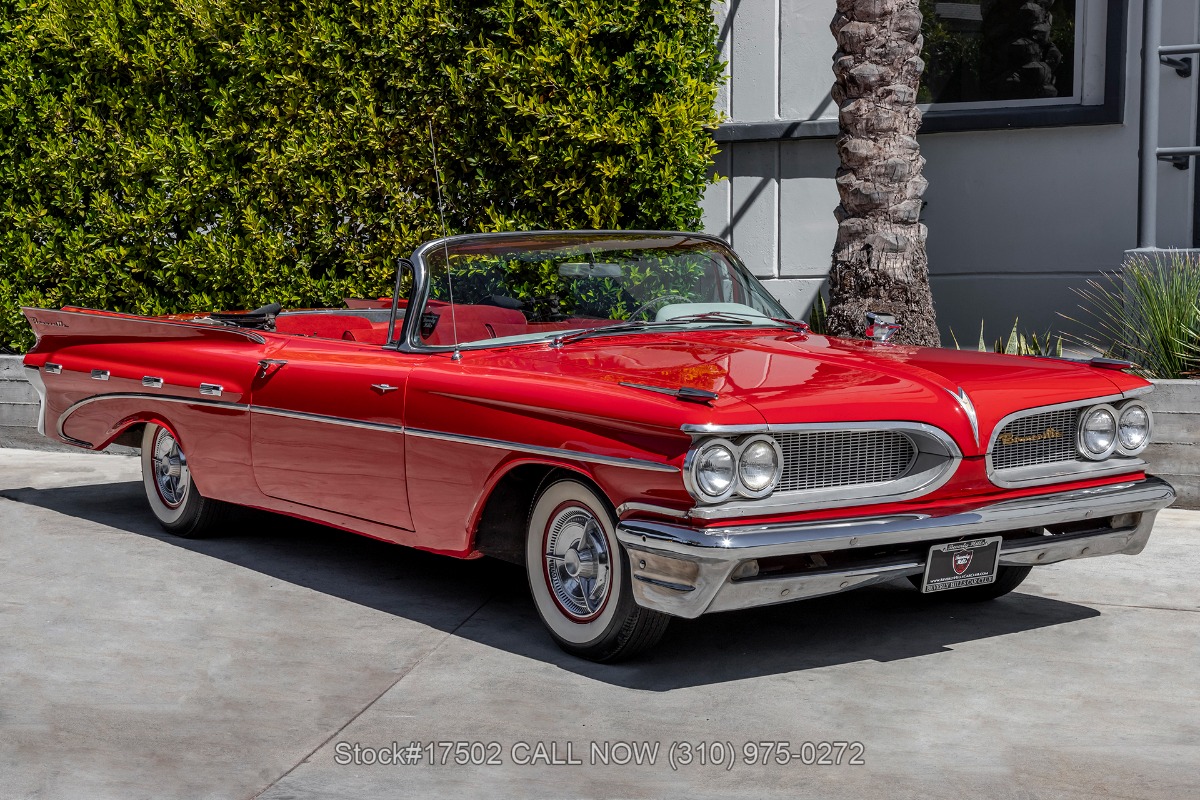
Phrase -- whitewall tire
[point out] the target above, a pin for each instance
(177, 504)
(579, 576)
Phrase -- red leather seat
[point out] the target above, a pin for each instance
(326, 326)
(476, 323)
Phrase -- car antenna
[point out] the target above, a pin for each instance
(437, 176)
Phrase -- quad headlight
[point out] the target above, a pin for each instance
(716, 470)
(1133, 428)
(719, 468)
(1098, 432)
(1105, 430)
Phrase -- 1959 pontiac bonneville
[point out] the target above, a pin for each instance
(628, 414)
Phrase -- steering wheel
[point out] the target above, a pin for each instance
(661, 298)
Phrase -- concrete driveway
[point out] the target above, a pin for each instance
(136, 665)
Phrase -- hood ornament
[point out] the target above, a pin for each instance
(881, 327)
(969, 409)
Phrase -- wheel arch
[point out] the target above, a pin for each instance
(500, 522)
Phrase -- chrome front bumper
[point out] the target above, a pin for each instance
(688, 571)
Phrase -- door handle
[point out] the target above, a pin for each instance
(383, 388)
(269, 366)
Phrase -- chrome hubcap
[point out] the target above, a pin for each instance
(171, 476)
(578, 566)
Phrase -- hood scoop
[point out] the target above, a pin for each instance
(685, 393)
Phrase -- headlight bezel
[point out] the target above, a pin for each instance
(1118, 447)
(737, 487)
(747, 491)
(696, 457)
(1122, 411)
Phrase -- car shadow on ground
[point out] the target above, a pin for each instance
(880, 623)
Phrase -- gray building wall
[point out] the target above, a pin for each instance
(1017, 218)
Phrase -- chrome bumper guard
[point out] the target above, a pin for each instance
(688, 571)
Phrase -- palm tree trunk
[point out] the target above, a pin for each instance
(879, 261)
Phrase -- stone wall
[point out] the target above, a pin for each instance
(18, 400)
(1175, 454)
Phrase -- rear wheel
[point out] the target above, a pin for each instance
(173, 497)
(579, 577)
(1007, 579)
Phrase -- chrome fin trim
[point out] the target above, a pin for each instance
(554, 452)
(192, 401)
(964, 401)
(34, 376)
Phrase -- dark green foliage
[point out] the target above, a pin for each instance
(174, 155)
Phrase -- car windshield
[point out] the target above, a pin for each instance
(504, 289)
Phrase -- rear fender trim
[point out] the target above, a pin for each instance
(125, 423)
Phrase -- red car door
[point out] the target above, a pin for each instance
(327, 429)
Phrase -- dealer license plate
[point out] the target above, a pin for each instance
(960, 564)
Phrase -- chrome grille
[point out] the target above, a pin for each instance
(1029, 440)
(826, 459)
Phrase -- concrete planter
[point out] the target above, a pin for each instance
(1175, 454)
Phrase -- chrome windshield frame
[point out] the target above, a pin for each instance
(408, 338)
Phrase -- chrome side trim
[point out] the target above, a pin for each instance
(625, 508)
(704, 559)
(100, 374)
(555, 452)
(573, 455)
(34, 376)
(1060, 471)
(151, 382)
(212, 389)
(325, 418)
(50, 368)
(193, 401)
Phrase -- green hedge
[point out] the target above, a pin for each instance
(172, 155)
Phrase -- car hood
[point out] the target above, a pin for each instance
(789, 377)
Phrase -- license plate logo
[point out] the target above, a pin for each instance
(957, 565)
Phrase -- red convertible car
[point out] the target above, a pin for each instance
(631, 416)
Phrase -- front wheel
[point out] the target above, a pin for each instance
(579, 577)
(173, 497)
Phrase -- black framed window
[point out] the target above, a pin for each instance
(996, 64)
(1000, 51)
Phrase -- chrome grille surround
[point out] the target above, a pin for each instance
(1048, 463)
(1040, 438)
(833, 458)
(826, 465)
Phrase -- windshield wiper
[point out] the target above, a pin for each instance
(708, 316)
(713, 316)
(726, 316)
(559, 341)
